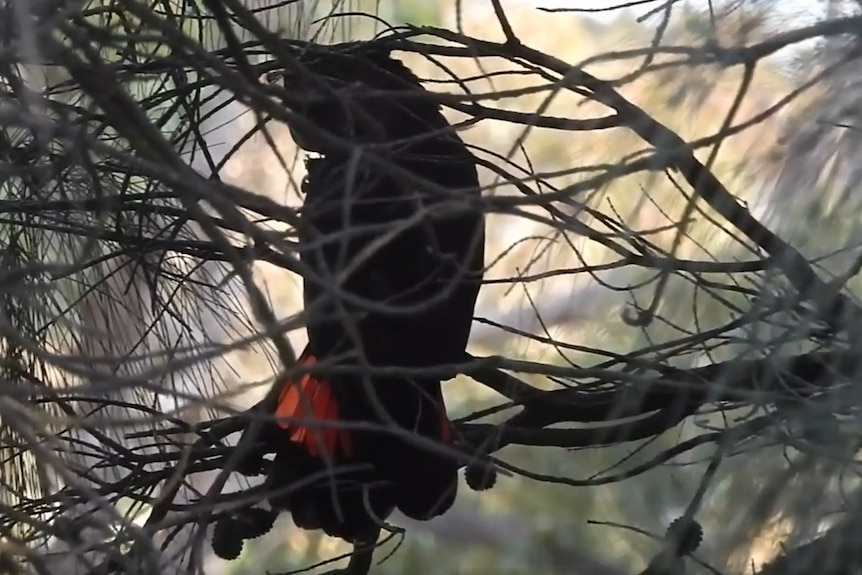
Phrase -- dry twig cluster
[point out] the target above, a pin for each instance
(112, 211)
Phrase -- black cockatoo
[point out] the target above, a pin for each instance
(392, 273)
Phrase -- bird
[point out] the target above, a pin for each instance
(391, 275)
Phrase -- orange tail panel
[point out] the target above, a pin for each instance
(445, 429)
(316, 394)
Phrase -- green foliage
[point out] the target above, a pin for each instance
(415, 13)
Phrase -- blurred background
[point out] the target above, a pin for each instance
(796, 168)
(792, 157)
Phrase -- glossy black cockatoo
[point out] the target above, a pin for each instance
(392, 270)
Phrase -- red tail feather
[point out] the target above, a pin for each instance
(316, 394)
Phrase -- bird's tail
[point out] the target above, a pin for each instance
(311, 454)
(395, 474)
(308, 411)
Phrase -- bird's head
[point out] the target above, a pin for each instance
(358, 93)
